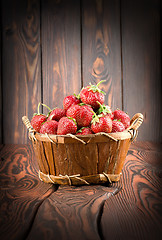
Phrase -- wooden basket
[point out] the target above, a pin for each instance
(78, 160)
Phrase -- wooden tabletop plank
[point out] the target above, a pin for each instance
(147, 146)
(135, 213)
(21, 191)
(71, 213)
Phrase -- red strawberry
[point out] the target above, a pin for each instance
(38, 118)
(37, 121)
(123, 117)
(84, 131)
(49, 127)
(66, 125)
(117, 126)
(91, 95)
(71, 112)
(84, 116)
(57, 114)
(69, 101)
(101, 124)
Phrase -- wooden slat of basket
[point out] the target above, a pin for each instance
(69, 158)
(104, 154)
(111, 157)
(60, 159)
(42, 157)
(48, 153)
(38, 156)
(82, 158)
(122, 153)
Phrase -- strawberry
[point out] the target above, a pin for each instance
(84, 116)
(71, 112)
(38, 118)
(101, 123)
(57, 114)
(117, 126)
(91, 95)
(37, 121)
(82, 113)
(66, 125)
(84, 131)
(122, 116)
(69, 101)
(49, 127)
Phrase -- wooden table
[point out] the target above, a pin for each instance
(129, 209)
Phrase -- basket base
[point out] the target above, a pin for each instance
(79, 180)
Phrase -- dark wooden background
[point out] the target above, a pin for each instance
(50, 49)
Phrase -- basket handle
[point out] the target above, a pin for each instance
(136, 121)
(29, 127)
(26, 122)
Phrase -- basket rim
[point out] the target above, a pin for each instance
(98, 137)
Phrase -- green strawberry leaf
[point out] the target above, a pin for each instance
(95, 118)
(77, 96)
(117, 120)
(95, 88)
(103, 109)
(50, 111)
(80, 130)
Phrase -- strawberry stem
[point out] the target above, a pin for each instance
(100, 82)
(38, 108)
(103, 109)
(46, 106)
(95, 88)
(73, 120)
(95, 118)
(42, 105)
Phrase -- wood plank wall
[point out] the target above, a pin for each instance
(51, 48)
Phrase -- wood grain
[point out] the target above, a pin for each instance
(71, 213)
(142, 64)
(20, 66)
(146, 145)
(101, 56)
(61, 64)
(137, 209)
(1, 97)
(21, 191)
(31, 209)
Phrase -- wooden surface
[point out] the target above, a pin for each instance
(140, 45)
(61, 63)
(50, 49)
(129, 209)
(21, 69)
(101, 56)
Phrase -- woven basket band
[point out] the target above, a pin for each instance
(77, 179)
